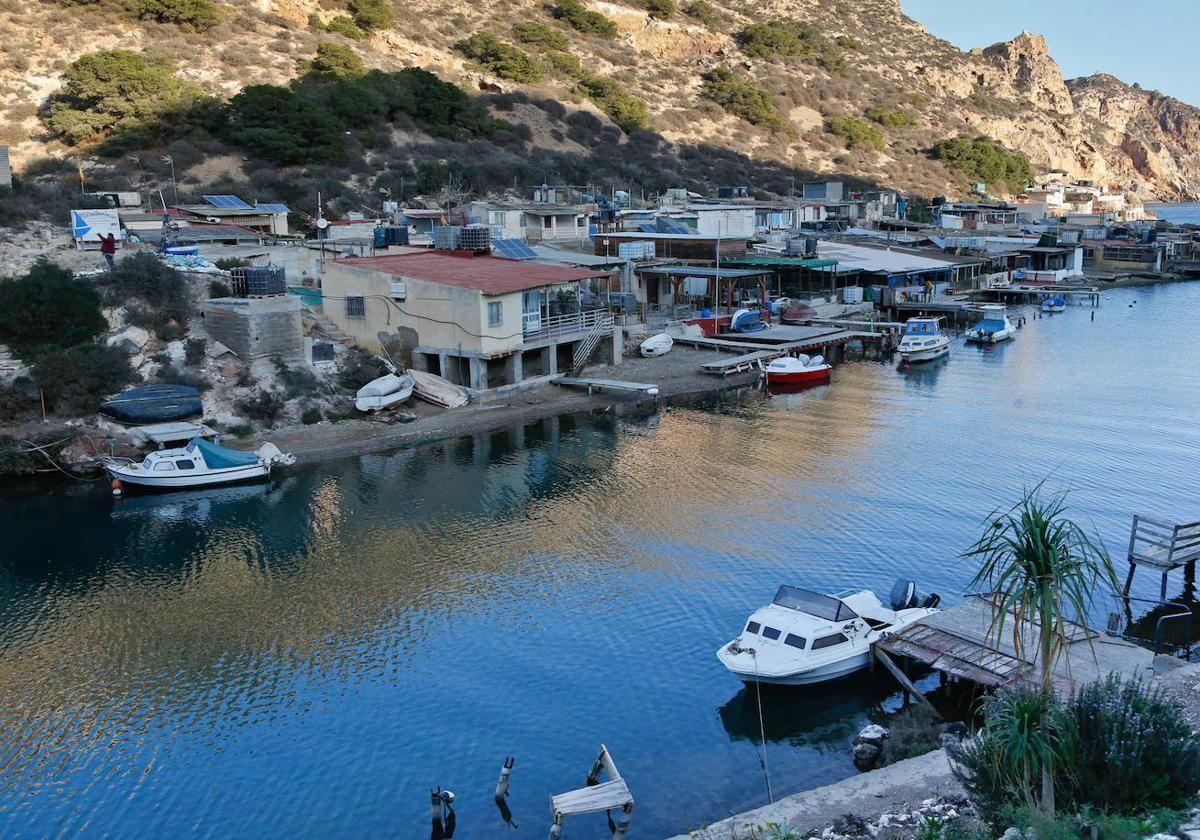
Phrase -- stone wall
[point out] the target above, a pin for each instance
(254, 328)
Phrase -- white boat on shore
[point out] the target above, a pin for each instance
(201, 463)
(391, 389)
(804, 637)
(434, 389)
(923, 340)
(656, 345)
(993, 327)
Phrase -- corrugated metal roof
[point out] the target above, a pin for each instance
(490, 275)
(782, 262)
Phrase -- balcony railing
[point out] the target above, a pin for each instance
(538, 327)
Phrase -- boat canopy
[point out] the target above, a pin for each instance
(813, 603)
(989, 326)
(921, 326)
(219, 458)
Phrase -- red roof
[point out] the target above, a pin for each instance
(490, 275)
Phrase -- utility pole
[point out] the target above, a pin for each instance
(174, 186)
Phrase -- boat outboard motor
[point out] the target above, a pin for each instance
(904, 595)
(931, 600)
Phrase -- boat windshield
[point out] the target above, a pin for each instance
(921, 328)
(813, 603)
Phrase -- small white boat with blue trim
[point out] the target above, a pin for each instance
(1054, 304)
(804, 637)
(201, 463)
(923, 340)
(994, 326)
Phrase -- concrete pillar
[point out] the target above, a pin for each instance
(447, 370)
(514, 368)
(481, 448)
(551, 358)
(478, 374)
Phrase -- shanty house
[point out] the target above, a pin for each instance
(230, 210)
(479, 321)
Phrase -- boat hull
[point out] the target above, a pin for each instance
(988, 338)
(1054, 307)
(818, 374)
(148, 480)
(379, 402)
(822, 673)
(925, 354)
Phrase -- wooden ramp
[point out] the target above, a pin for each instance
(605, 385)
(1163, 546)
(737, 364)
(595, 796)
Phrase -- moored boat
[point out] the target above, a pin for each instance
(148, 404)
(391, 389)
(994, 326)
(1054, 304)
(656, 345)
(804, 637)
(201, 463)
(923, 340)
(794, 370)
(434, 389)
(798, 314)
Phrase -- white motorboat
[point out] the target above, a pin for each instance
(201, 463)
(434, 389)
(804, 637)
(923, 340)
(797, 370)
(656, 345)
(383, 392)
(993, 327)
(1054, 304)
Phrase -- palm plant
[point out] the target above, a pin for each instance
(1045, 570)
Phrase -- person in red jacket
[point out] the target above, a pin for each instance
(108, 247)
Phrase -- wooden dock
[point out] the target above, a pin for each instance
(960, 642)
(605, 385)
(1164, 547)
(752, 353)
(737, 364)
(1032, 294)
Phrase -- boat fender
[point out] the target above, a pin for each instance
(931, 600)
(904, 595)
(118, 490)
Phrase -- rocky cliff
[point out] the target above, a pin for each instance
(870, 59)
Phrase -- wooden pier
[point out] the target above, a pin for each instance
(1033, 294)
(605, 385)
(783, 340)
(1164, 547)
(962, 643)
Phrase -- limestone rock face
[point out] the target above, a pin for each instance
(1026, 65)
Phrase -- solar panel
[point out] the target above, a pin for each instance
(272, 208)
(512, 249)
(227, 202)
(671, 226)
(648, 227)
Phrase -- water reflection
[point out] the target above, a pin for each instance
(805, 715)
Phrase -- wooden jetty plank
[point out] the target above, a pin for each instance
(737, 364)
(589, 800)
(604, 385)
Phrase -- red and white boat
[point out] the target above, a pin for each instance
(794, 370)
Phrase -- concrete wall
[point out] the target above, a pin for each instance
(453, 317)
(255, 328)
(726, 222)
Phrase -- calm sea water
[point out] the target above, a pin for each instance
(310, 659)
(1180, 214)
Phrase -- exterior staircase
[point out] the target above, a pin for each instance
(326, 327)
(601, 328)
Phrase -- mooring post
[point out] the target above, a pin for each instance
(623, 823)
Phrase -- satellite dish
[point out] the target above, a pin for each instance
(322, 223)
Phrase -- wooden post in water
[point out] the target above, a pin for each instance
(901, 677)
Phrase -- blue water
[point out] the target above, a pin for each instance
(310, 659)
(1180, 214)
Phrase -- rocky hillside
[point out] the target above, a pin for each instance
(853, 88)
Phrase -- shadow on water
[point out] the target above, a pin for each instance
(922, 376)
(1171, 626)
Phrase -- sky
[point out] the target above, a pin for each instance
(1152, 43)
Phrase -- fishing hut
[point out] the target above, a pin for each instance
(963, 642)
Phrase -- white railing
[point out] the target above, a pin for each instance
(602, 328)
(560, 325)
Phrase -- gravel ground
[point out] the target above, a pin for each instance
(1183, 686)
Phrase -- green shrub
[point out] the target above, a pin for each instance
(1117, 746)
(197, 15)
(358, 366)
(280, 126)
(266, 406)
(337, 60)
(503, 60)
(742, 98)
(704, 12)
(116, 89)
(241, 431)
(219, 289)
(661, 9)
(891, 117)
(17, 457)
(913, 731)
(344, 26)
(76, 380)
(47, 308)
(857, 134)
(19, 401)
(623, 108)
(582, 19)
(169, 374)
(541, 36)
(791, 38)
(983, 159)
(145, 278)
(296, 381)
(370, 15)
(847, 43)
(194, 350)
(311, 415)
(565, 63)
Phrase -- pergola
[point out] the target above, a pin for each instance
(719, 280)
(798, 277)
